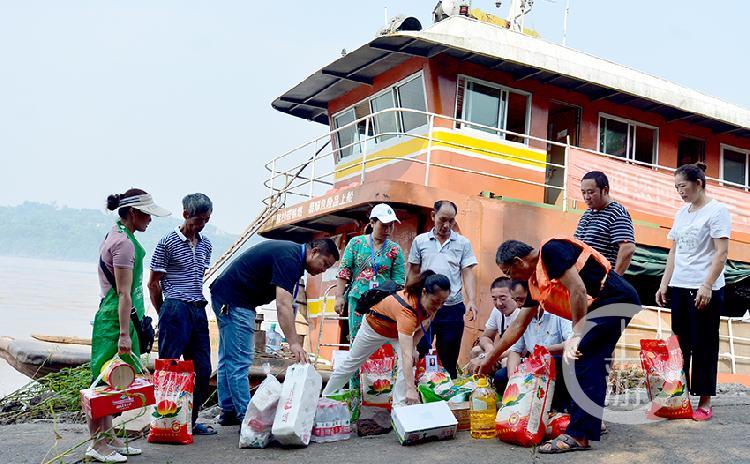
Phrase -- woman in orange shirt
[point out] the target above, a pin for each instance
(403, 326)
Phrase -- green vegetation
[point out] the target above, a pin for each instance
(36, 230)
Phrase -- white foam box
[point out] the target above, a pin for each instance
(295, 414)
(419, 423)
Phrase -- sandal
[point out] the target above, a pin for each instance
(562, 444)
(203, 429)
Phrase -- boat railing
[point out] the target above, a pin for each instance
(311, 169)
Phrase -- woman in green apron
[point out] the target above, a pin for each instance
(122, 261)
(367, 262)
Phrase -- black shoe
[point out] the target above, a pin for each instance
(228, 419)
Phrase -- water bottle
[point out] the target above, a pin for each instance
(273, 340)
(483, 410)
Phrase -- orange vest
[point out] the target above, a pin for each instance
(553, 295)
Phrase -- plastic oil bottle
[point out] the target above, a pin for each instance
(483, 410)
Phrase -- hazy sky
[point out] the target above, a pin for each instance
(174, 96)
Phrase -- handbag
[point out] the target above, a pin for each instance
(144, 328)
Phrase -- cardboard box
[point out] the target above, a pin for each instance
(105, 401)
(419, 423)
(462, 412)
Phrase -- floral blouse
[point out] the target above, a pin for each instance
(357, 267)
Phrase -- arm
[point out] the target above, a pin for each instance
(406, 345)
(468, 278)
(414, 271)
(624, 256)
(511, 336)
(487, 339)
(514, 359)
(124, 281)
(557, 348)
(285, 315)
(704, 294)
(345, 275)
(578, 306)
(661, 294)
(154, 290)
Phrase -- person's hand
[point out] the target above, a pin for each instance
(661, 296)
(570, 350)
(339, 306)
(298, 353)
(481, 365)
(471, 311)
(412, 397)
(124, 345)
(703, 297)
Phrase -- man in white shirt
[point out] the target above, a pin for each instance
(503, 313)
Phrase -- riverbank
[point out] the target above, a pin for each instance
(722, 440)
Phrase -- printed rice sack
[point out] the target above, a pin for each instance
(665, 379)
(174, 383)
(429, 381)
(256, 427)
(377, 378)
(522, 418)
(558, 424)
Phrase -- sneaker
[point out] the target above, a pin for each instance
(127, 450)
(114, 456)
(228, 419)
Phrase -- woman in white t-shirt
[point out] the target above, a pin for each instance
(695, 278)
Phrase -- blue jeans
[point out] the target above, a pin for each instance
(236, 352)
(183, 331)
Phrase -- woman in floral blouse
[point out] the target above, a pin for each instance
(368, 261)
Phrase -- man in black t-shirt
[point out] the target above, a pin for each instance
(588, 287)
(270, 270)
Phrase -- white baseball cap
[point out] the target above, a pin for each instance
(384, 213)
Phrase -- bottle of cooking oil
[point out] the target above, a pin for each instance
(483, 410)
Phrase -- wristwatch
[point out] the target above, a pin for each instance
(482, 355)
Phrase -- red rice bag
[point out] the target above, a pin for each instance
(522, 418)
(558, 424)
(174, 383)
(377, 378)
(665, 379)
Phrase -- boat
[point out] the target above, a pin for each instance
(504, 124)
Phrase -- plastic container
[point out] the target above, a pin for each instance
(331, 422)
(483, 410)
(273, 340)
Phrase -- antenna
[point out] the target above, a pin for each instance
(518, 9)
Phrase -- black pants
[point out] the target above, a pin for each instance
(620, 300)
(698, 333)
(561, 398)
(183, 331)
(448, 329)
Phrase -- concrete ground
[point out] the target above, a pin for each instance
(722, 440)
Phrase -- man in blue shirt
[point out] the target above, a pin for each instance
(176, 290)
(270, 270)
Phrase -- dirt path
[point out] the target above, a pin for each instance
(723, 440)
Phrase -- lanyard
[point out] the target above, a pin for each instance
(428, 332)
(375, 264)
(296, 286)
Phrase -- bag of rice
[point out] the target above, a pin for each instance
(665, 379)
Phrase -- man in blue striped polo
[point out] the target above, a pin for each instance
(606, 225)
(176, 288)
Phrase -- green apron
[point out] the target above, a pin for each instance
(106, 333)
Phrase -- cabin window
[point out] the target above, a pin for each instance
(411, 95)
(349, 140)
(734, 165)
(628, 139)
(494, 106)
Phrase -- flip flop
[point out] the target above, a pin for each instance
(203, 429)
(562, 444)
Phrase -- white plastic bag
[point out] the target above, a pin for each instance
(295, 413)
(332, 421)
(256, 427)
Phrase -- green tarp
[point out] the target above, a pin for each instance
(650, 262)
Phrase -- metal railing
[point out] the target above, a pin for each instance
(312, 181)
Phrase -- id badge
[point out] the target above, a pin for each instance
(373, 284)
(431, 363)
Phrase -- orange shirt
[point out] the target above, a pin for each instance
(402, 320)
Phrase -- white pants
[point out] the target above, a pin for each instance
(365, 344)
